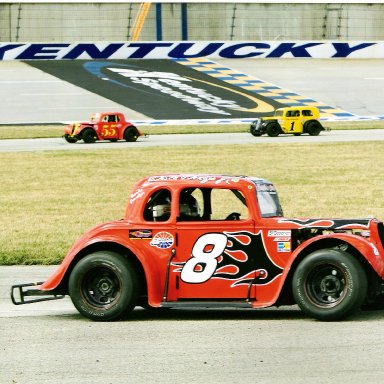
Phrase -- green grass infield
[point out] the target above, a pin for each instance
(50, 198)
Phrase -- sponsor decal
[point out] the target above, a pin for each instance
(162, 240)
(284, 246)
(136, 195)
(162, 89)
(274, 233)
(140, 234)
(203, 95)
(282, 239)
(197, 88)
(199, 178)
(180, 88)
(191, 49)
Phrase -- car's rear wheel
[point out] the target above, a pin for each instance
(89, 136)
(273, 129)
(313, 128)
(103, 286)
(131, 134)
(329, 284)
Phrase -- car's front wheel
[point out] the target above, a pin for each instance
(103, 286)
(254, 132)
(89, 136)
(70, 139)
(329, 284)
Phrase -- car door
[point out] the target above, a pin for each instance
(109, 128)
(292, 122)
(213, 259)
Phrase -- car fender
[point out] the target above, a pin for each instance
(130, 125)
(367, 250)
(309, 121)
(79, 131)
(122, 131)
(153, 274)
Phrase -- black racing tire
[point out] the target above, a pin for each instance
(70, 139)
(131, 134)
(273, 129)
(254, 131)
(329, 285)
(103, 286)
(313, 127)
(89, 136)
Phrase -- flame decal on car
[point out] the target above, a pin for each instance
(242, 259)
(256, 266)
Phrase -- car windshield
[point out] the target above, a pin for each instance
(268, 200)
(279, 112)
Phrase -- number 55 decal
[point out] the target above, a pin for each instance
(203, 263)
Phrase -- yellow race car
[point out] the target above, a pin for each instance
(295, 120)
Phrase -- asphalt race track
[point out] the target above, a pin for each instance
(49, 343)
(30, 95)
(58, 144)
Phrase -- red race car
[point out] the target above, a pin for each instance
(102, 126)
(215, 240)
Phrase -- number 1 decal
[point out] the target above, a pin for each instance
(203, 263)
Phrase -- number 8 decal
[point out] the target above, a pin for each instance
(202, 265)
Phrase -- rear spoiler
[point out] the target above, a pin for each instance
(21, 294)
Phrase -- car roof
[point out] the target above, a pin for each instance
(106, 113)
(207, 180)
(299, 107)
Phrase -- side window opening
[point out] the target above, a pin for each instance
(227, 204)
(191, 201)
(294, 113)
(158, 207)
(112, 119)
(211, 204)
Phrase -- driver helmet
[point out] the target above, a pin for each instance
(161, 211)
(189, 207)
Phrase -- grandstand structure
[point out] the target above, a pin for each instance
(126, 21)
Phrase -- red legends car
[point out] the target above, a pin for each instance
(213, 240)
(102, 126)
